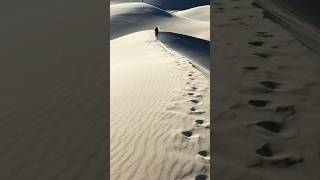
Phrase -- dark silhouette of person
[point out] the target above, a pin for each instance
(156, 31)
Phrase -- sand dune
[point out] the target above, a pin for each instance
(127, 18)
(169, 4)
(266, 105)
(159, 112)
(201, 13)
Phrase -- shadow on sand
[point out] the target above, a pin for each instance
(197, 50)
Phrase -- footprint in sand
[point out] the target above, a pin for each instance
(263, 34)
(256, 43)
(190, 94)
(203, 153)
(272, 126)
(266, 35)
(194, 101)
(193, 88)
(269, 84)
(258, 103)
(199, 122)
(196, 111)
(187, 133)
(201, 177)
(250, 68)
(261, 55)
(265, 151)
(284, 160)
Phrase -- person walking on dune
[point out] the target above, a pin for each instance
(156, 31)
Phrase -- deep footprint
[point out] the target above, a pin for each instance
(256, 43)
(193, 109)
(194, 101)
(199, 122)
(187, 133)
(201, 177)
(269, 84)
(271, 126)
(190, 94)
(265, 151)
(203, 153)
(261, 55)
(258, 103)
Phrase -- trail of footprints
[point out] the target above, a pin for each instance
(267, 152)
(194, 96)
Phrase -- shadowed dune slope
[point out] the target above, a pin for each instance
(197, 50)
(169, 4)
(133, 17)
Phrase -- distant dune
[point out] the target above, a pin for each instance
(132, 17)
(169, 4)
(201, 13)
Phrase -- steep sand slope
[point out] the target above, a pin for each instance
(197, 50)
(159, 112)
(169, 4)
(266, 98)
(127, 18)
(201, 13)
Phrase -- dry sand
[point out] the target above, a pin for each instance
(53, 76)
(266, 100)
(160, 115)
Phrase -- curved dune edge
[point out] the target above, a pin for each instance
(168, 4)
(159, 112)
(128, 18)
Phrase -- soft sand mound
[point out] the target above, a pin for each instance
(132, 17)
(201, 13)
(197, 50)
(169, 4)
(159, 112)
(266, 98)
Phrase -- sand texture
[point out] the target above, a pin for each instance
(266, 100)
(160, 118)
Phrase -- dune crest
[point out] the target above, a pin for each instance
(127, 18)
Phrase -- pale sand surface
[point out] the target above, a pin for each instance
(266, 101)
(201, 13)
(156, 95)
(160, 95)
